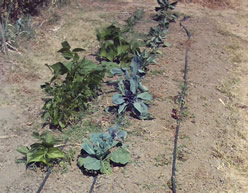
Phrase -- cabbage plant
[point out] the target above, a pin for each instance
(132, 94)
(102, 150)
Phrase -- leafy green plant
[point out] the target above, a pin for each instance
(132, 94)
(164, 10)
(164, 16)
(114, 46)
(145, 58)
(70, 95)
(103, 150)
(44, 153)
(156, 36)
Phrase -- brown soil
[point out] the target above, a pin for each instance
(212, 149)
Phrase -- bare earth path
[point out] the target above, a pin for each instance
(213, 141)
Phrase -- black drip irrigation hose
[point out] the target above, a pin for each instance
(45, 179)
(182, 96)
(93, 184)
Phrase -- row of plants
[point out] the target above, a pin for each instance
(77, 81)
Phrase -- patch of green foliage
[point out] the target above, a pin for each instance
(164, 16)
(132, 95)
(164, 11)
(44, 153)
(71, 94)
(102, 150)
(114, 46)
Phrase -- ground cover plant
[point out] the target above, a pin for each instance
(43, 153)
(104, 150)
(68, 96)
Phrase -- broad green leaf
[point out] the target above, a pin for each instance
(48, 139)
(141, 107)
(106, 168)
(122, 108)
(61, 124)
(117, 99)
(121, 87)
(37, 156)
(120, 156)
(122, 49)
(135, 65)
(68, 65)
(107, 54)
(46, 116)
(133, 84)
(67, 55)
(36, 135)
(145, 96)
(88, 147)
(66, 45)
(91, 163)
(55, 153)
(80, 162)
(59, 68)
(24, 150)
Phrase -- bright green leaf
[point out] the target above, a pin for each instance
(55, 153)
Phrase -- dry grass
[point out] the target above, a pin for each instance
(214, 4)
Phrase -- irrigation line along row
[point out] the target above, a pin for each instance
(182, 96)
(93, 184)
